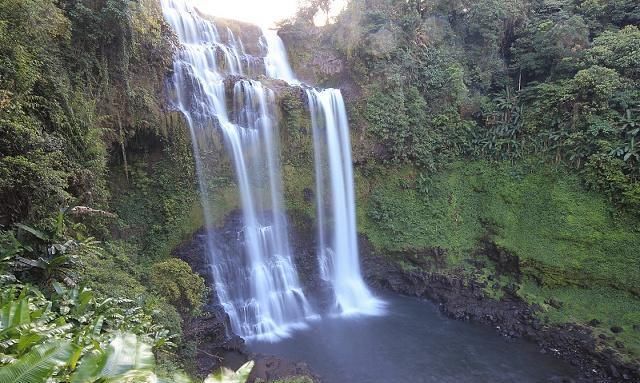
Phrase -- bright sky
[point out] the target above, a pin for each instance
(261, 12)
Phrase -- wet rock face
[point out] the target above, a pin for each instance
(304, 249)
(506, 263)
(214, 347)
(216, 344)
(270, 368)
(328, 63)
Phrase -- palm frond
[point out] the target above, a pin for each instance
(37, 365)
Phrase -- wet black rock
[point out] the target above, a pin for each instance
(307, 194)
(553, 302)
(215, 343)
(614, 371)
(506, 263)
(214, 346)
(594, 322)
(271, 368)
(560, 379)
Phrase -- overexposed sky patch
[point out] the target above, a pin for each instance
(261, 12)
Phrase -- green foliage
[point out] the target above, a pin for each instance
(610, 14)
(398, 118)
(549, 42)
(571, 245)
(46, 256)
(608, 306)
(562, 235)
(157, 202)
(183, 288)
(617, 50)
(73, 336)
(406, 212)
(39, 134)
(66, 88)
(490, 79)
(295, 132)
(38, 364)
(124, 359)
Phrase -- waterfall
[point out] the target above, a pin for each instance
(260, 289)
(276, 62)
(335, 201)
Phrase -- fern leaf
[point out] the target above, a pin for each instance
(37, 365)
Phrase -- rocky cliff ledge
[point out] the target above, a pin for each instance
(464, 299)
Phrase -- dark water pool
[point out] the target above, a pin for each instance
(414, 343)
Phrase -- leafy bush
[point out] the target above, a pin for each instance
(174, 279)
(67, 94)
(74, 337)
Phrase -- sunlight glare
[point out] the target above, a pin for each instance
(261, 12)
(265, 13)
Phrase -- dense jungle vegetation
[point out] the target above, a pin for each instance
(81, 96)
(508, 122)
(497, 126)
(498, 80)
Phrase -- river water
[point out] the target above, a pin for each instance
(414, 343)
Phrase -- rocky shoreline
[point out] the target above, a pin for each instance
(511, 317)
(456, 297)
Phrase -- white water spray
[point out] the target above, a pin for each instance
(335, 200)
(261, 291)
(276, 62)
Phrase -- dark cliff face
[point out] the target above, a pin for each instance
(211, 335)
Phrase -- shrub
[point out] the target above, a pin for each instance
(182, 287)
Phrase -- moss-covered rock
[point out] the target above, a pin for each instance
(560, 243)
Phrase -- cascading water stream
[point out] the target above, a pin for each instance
(274, 301)
(260, 292)
(276, 62)
(338, 255)
(260, 289)
(335, 201)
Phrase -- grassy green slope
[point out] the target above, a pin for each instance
(572, 245)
